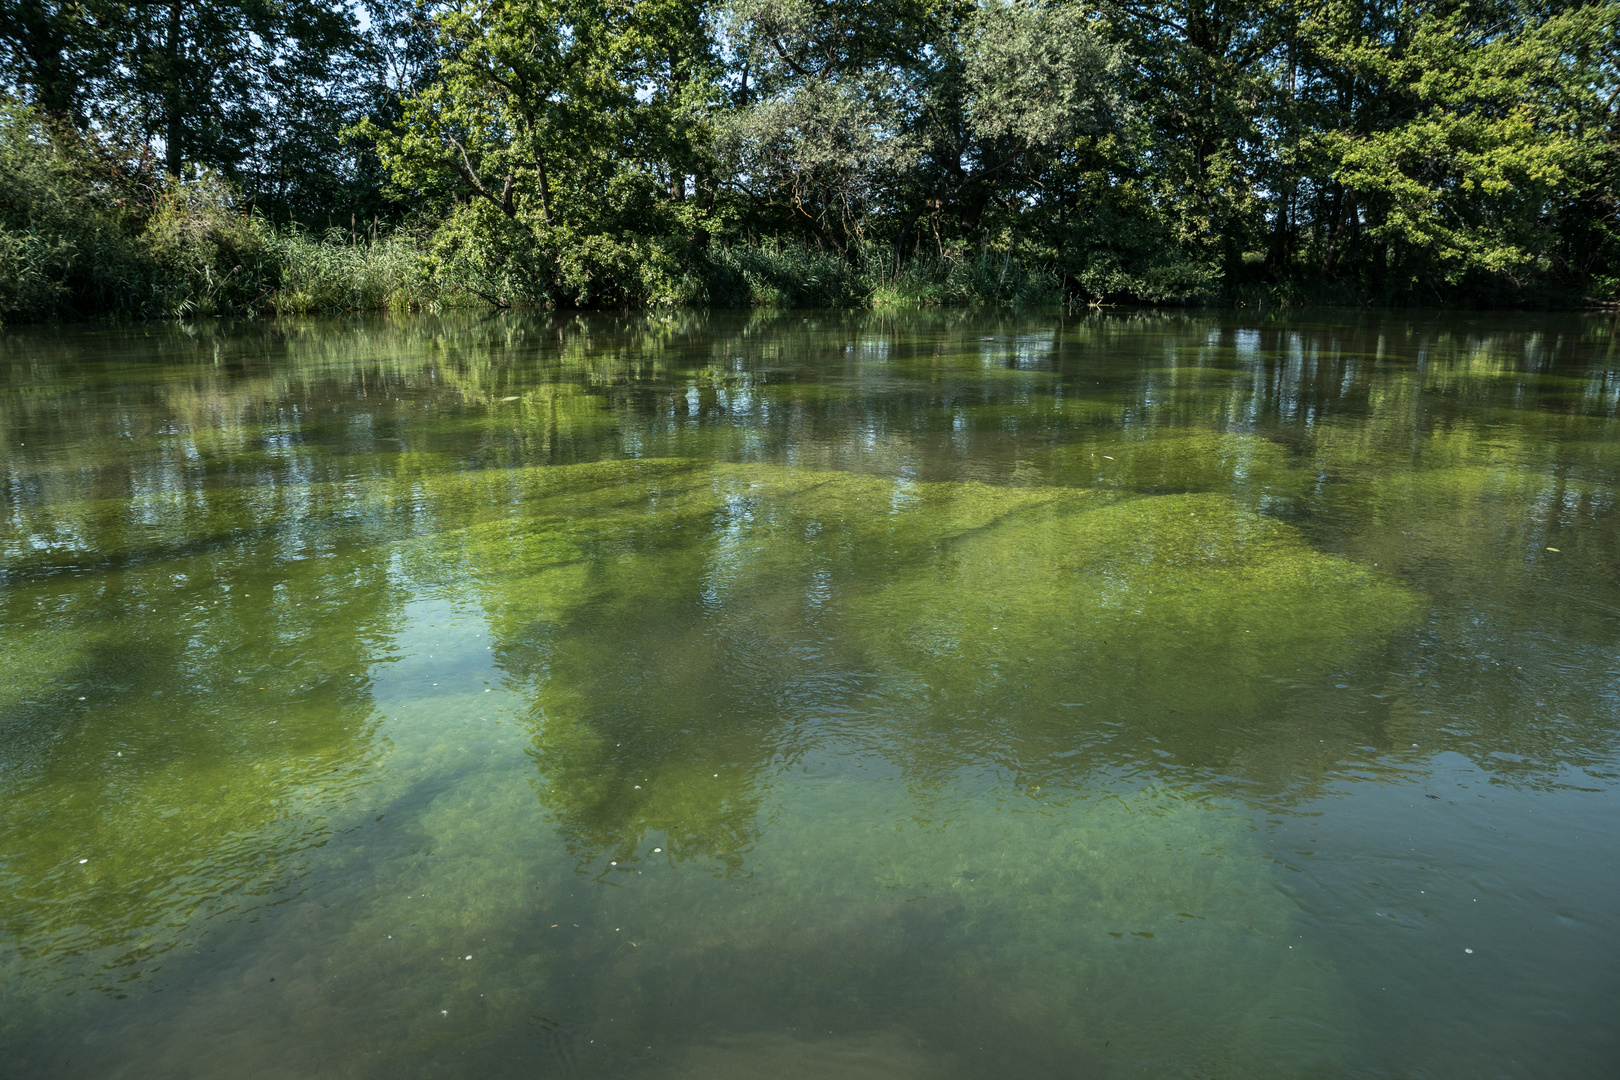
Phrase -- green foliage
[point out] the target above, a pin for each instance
(211, 258)
(1479, 134)
(582, 153)
(31, 271)
(258, 92)
(786, 275)
(1038, 74)
(68, 241)
(342, 273)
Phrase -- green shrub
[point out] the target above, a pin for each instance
(212, 258)
(67, 244)
(32, 272)
(990, 279)
(783, 275)
(597, 270)
(339, 272)
(88, 230)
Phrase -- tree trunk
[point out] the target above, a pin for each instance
(544, 184)
(174, 120)
(677, 171)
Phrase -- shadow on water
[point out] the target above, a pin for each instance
(868, 695)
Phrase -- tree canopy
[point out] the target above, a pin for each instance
(610, 151)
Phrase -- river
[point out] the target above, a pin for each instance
(812, 695)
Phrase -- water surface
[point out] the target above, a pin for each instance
(811, 695)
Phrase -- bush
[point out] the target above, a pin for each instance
(212, 258)
(989, 279)
(345, 273)
(67, 239)
(597, 270)
(32, 270)
(784, 275)
(88, 229)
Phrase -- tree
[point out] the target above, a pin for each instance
(936, 113)
(55, 53)
(1466, 141)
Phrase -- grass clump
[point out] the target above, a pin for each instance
(785, 276)
(988, 279)
(340, 272)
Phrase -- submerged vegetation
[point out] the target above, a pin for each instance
(634, 670)
(232, 157)
(679, 621)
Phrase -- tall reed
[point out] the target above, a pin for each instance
(343, 272)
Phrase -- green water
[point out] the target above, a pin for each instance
(811, 696)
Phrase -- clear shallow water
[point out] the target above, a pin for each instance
(866, 696)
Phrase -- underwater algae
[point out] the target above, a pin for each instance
(1022, 600)
(1253, 471)
(674, 638)
(683, 631)
(154, 762)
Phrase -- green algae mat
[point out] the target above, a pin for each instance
(827, 695)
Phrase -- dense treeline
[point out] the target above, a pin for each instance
(201, 155)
